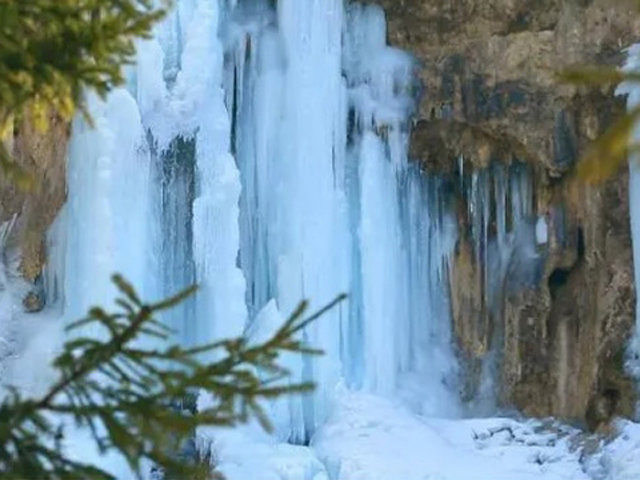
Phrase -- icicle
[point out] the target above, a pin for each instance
(216, 234)
(542, 234)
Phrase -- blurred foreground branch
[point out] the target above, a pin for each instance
(123, 392)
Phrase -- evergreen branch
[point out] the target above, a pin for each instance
(54, 51)
(125, 394)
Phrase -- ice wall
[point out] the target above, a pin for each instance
(178, 81)
(286, 100)
(320, 109)
(260, 150)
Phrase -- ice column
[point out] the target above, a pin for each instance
(108, 208)
(221, 311)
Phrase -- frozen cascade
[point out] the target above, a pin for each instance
(179, 86)
(261, 152)
(320, 128)
(104, 228)
(108, 208)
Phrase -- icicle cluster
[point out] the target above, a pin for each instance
(261, 152)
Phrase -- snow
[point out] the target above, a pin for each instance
(620, 459)
(246, 454)
(371, 438)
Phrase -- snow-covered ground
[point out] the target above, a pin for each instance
(370, 438)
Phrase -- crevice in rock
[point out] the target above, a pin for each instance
(558, 279)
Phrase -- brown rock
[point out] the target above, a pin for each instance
(43, 155)
(33, 302)
(491, 96)
(492, 64)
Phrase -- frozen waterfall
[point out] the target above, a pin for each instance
(261, 152)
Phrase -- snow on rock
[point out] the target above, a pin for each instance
(619, 459)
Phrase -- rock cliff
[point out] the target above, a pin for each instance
(554, 333)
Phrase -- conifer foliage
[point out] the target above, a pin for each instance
(123, 391)
(123, 385)
(51, 51)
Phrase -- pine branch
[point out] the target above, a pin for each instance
(52, 52)
(124, 394)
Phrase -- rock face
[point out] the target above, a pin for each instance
(42, 154)
(558, 324)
